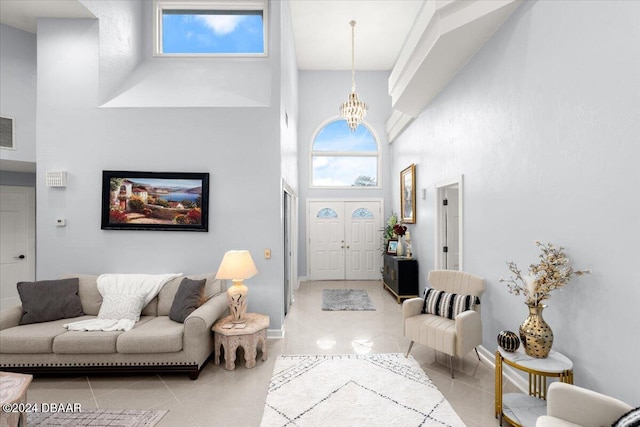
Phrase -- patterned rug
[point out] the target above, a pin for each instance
(97, 417)
(354, 390)
(346, 300)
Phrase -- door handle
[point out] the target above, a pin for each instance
(19, 257)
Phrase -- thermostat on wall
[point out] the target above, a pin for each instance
(56, 179)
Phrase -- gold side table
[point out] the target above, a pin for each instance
(523, 410)
(246, 335)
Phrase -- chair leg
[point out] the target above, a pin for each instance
(477, 354)
(408, 351)
(451, 364)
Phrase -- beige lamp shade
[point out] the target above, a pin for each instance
(236, 265)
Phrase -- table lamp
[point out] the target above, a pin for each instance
(237, 266)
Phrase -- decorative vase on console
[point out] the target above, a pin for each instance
(400, 231)
(400, 251)
(552, 272)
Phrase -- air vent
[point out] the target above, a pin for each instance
(6, 133)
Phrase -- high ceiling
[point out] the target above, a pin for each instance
(321, 28)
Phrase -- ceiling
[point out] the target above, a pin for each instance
(321, 28)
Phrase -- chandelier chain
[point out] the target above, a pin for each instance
(353, 55)
(354, 110)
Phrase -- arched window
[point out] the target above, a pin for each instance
(341, 158)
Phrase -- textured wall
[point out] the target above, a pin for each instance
(544, 123)
(18, 93)
(239, 147)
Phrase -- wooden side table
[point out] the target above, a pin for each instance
(231, 336)
(13, 390)
(523, 410)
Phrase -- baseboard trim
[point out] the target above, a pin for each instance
(275, 333)
(509, 373)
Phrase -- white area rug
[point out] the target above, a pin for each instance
(354, 390)
(346, 300)
(98, 417)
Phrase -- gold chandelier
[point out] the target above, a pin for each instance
(354, 110)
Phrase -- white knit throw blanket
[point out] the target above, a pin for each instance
(145, 285)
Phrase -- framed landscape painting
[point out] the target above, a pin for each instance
(174, 201)
(408, 195)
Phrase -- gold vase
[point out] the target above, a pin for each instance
(536, 335)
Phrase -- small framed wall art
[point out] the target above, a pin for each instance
(168, 201)
(408, 195)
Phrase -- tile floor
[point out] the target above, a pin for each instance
(236, 398)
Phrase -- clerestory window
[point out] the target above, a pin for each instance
(210, 28)
(341, 158)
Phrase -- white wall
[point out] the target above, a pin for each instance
(18, 93)
(239, 147)
(321, 93)
(544, 123)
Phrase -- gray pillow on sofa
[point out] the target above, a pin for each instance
(188, 297)
(48, 300)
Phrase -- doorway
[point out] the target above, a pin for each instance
(288, 215)
(449, 222)
(17, 241)
(344, 239)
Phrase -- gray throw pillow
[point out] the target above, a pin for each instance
(48, 300)
(187, 299)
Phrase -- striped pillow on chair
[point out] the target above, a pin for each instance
(446, 304)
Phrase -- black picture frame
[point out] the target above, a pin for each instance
(161, 201)
(392, 246)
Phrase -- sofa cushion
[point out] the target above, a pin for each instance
(159, 335)
(88, 291)
(446, 304)
(86, 342)
(89, 342)
(33, 338)
(189, 297)
(212, 287)
(48, 300)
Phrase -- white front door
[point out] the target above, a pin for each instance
(344, 239)
(363, 233)
(17, 241)
(326, 240)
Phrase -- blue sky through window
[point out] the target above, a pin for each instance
(336, 136)
(215, 32)
(341, 158)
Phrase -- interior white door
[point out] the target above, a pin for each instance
(326, 240)
(452, 235)
(17, 241)
(363, 221)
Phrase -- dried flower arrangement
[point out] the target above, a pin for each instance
(551, 273)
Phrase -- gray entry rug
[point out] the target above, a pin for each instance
(346, 300)
(97, 417)
(354, 390)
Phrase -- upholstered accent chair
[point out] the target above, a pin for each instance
(455, 336)
(569, 406)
